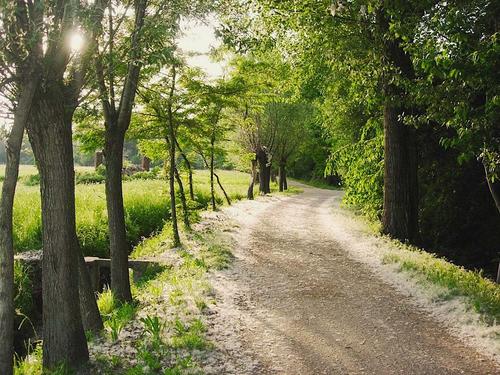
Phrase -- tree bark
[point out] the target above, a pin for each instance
(185, 211)
(264, 175)
(222, 188)
(212, 190)
(91, 317)
(253, 176)
(494, 188)
(282, 177)
(51, 139)
(400, 216)
(190, 169)
(120, 280)
(13, 149)
(171, 185)
(145, 163)
(285, 181)
(98, 159)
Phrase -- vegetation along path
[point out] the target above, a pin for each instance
(299, 301)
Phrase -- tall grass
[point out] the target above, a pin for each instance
(146, 207)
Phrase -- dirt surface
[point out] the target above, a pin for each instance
(295, 302)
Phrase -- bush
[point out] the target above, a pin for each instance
(144, 176)
(30, 180)
(89, 178)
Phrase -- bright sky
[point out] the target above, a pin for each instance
(199, 38)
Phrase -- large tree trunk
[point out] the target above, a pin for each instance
(264, 175)
(13, 149)
(495, 194)
(120, 280)
(190, 169)
(253, 176)
(268, 179)
(50, 136)
(400, 217)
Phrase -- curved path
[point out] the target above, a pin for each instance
(300, 305)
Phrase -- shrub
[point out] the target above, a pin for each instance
(144, 176)
(89, 178)
(30, 180)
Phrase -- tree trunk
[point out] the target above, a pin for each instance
(91, 317)
(253, 176)
(268, 179)
(171, 185)
(190, 169)
(145, 163)
(13, 149)
(495, 194)
(222, 188)
(50, 136)
(212, 190)
(120, 280)
(263, 172)
(285, 181)
(282, 177)
(98, 159)
(400, 217)
(273, 175)
(185, 211)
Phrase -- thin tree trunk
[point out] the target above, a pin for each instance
(185, 211)
(212, 190)
(285, 181)
(253, 176)
(171, 185)
(120, 280)
(172, 167)
(400, 217)
(98, 159)
(222, 188)
(13, 149)
(51, 139)
(190, 169)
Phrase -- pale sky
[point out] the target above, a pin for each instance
(199, 38)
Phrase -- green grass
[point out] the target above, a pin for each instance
(482, 294)
(146, 204)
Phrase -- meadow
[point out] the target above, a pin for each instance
(146, 205)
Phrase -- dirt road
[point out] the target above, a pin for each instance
(295, 302)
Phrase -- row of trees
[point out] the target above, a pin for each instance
(397, 84)
(56, 57)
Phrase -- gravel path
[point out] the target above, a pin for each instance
(295, 302)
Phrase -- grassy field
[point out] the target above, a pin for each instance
(146, 204)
